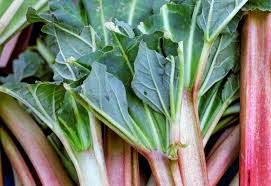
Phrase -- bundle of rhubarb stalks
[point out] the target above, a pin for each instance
(135, 92)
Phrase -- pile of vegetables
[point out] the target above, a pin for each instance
(135, 92)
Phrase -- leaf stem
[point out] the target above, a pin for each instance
(255, 161)
(191, 158)
(33, 141)
(45, 52)
(202, 64)
(9, 14)
(223, 156)
(16, 159)
(119, 162)
(160, 167)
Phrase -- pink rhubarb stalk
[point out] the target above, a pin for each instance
(16, 159)
(7, 50)
(121, 161)
(191, 158)
(34, 142)
(160, 167)
(223, 155)
(255, 159)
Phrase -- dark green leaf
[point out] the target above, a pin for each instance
(216, 16)
(224, 56)
(152, 79)
(57, 108)
(29, 64)
(178, 22)
(262, 5)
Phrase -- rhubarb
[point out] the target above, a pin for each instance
(155, 72)
(16, 159)
(121, 161)
(255, 163)
(36, 146)
(223, 155)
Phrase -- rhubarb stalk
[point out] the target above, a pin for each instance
(191, 158)
(33, 141)
(16, 159)
(255, 160)
(160, 167)
(121, 161)
(223, 155)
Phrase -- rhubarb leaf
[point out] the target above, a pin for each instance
(179, 23)
(72, 44)
(262, 5)
(152, 79)
(124, 42)
(224, 56)
(129, 11)
(108, 97)
(216, 17)
(216, 102)
(29, 64)
(51, 103)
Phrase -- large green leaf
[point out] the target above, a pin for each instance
(129, 118)
(72, 43)
(216, 101)
(224, 56)
(130, 11)
(179, 23)
(152, 79)
(216, 16)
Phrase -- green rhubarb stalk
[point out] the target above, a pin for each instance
(16, 159)
(33, 142)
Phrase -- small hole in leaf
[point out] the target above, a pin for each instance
(145, 93)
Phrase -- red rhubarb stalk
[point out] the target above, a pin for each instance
(7, 50)
(220, 140)
(121, 161)
(223, 156)
(255, 159)
(16, 159)
(34, 142)
(160, 167)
